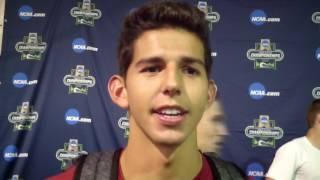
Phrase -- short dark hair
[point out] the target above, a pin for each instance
(161, 14)
(314, 110)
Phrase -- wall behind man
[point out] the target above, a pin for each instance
(56, 61)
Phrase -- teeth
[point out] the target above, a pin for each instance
(171, 112)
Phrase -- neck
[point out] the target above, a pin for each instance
(313, 136)
(143, 159)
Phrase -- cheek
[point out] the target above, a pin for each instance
(198, 93)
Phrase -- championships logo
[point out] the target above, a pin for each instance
(32, 47)
(316, 92)
(15, 177)
(123, 123)
(70, 152)
(211, 16)
(85, 13)
(23, 118)
(316, 17)
(265, 55)
(264, 132)
(79, 80)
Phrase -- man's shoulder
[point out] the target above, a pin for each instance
(293, 144)
(227, 170)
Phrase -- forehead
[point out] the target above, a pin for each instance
(173, 42)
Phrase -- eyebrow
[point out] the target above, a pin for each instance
(153, 60)
(159, 60)
(190, 60)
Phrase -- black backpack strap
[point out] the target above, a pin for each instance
(213, 167)
(79, 164)
(115, 164)
(226, 170)
(98, 166)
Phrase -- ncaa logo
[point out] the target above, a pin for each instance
(316, 93)
(255, 171)
(20, 80)
(258, 17)
(79, 45)
(10, 153)
(257, 91)
(25, 12)
(72, 116)
(318, 54)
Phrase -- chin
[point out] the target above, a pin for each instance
(171, 139)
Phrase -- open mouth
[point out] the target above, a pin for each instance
(170, 115)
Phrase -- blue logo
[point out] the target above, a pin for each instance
(20, 80)
(79, 45)
(257, 91)
(10, 153)
(258, 17)
(255, 171)
(25, 12)
(72, 116)
(318, 54)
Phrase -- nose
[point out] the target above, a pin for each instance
(171, 83)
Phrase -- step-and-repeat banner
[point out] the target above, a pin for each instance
(57, 57)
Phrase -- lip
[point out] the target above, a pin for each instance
(170, 120)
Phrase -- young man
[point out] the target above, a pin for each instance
(212, 129)
(164, 58)
(211, 132)
(299, 159)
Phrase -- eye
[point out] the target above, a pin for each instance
(151, 69)
(218, 119)
(191, 71)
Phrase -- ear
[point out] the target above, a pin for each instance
(212, 91)
(317, 121)
(118, 91)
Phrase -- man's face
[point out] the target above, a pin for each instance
(166, 86)
(211, 129)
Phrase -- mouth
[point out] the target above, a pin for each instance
(220, 144)
(170, 115)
